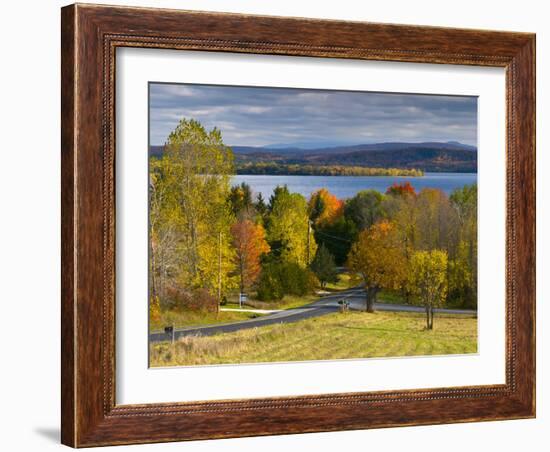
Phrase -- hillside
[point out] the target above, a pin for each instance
(429, 156)
(425, 159)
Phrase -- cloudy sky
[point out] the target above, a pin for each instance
(250, 116)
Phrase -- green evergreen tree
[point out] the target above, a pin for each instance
(279, 190)
(324, 267)
(260, 205)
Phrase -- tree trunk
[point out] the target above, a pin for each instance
(371, 298)
(427, 318)
(430, 317)
(152, 270)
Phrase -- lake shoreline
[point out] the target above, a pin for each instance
(345, 187)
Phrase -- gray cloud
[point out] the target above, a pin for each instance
(264, 116)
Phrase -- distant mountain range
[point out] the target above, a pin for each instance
(449, 156)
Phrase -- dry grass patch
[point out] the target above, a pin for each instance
(182, 319)
(334, 336)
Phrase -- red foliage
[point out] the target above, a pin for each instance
(403, 189)
(192, 300)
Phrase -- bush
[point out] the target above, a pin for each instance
(294, 279)
(270, 287)
(181, 299)
(204, 301)
(280, 279)
(313, 282)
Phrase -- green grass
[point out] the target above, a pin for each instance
(292, 301)
(231, 305)
(392, 297)
(334, 336)
(288, 302)
(344, 282)
(181, 319)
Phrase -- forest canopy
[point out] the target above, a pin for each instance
(209, 240)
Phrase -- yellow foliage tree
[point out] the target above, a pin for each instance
(190, 216)
(378, 258)
(288, 228)
(429, 279)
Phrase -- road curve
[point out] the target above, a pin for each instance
(323, 306)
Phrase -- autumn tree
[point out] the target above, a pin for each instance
(402, 211)
(463, 262)
(288, 228)
(331, 228)
(250, 244)
(378, 259)
(401, 189)
(428, 276)
(164, 232)
(190, 217)
(324, 207)
(435, 220)
(324, 267)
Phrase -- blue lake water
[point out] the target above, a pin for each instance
(347, 186)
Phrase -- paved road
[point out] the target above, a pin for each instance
(323, 306)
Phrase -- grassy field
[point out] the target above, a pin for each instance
(291, 301)
(180, 319)
(288, 302)
(351, 335)
(344, 282)
(393, 297)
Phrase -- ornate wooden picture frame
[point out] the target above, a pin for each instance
(90, 37)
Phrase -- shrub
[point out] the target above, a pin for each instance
(181, 299)
(280, 279)
(312, 281)
(203, 300)
(176, 298)
(294, 279)
(270, 287)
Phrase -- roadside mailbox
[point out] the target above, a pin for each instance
(169, 330)
(344, 305)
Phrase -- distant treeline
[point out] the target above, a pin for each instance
(274, 168)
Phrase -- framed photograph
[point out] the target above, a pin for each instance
(282, 225)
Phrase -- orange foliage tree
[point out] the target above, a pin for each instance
(401, 189)
(378, 259)
(324, 207)
(250, 243)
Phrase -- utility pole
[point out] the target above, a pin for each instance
(308, 239)
(219, 270)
